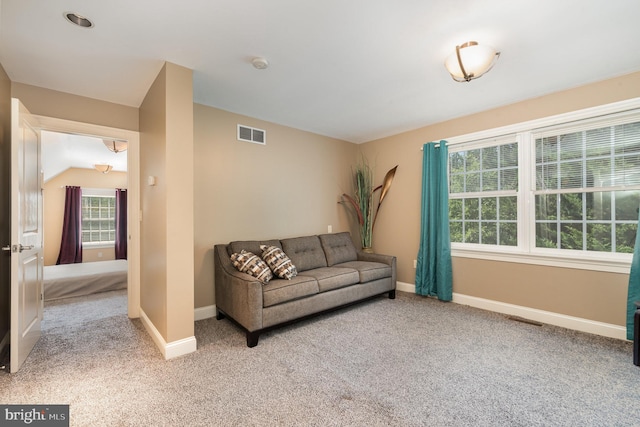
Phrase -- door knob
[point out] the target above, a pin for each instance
(17, 248)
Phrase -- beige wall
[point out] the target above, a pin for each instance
(54, 197)
(288, 187)
(587, 294)
(180, 199)
(153, 201)
(51, 103)
(166, 153)
(5, 199)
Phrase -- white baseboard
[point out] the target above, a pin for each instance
(205, 312)
(548, 317)
(180, 347)
(406, 287)
(172, 349)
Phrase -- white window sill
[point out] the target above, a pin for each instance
(613, 263)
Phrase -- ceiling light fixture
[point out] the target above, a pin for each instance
(260, 63)
(78, 20)
(470, 61)
(115, 146)
(103, 168)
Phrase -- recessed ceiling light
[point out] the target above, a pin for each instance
(78, 20)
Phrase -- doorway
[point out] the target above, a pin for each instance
(52, 126)
(97, 168)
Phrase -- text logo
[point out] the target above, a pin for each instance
(34, 415)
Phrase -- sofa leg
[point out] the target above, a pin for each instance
(252, 338)
(219, 315)
(392, 294)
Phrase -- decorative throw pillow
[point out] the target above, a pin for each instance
(278, 262)
(250, 263)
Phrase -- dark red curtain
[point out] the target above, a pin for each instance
(121, 224)
(71, 243)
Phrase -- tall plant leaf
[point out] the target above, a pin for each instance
(386, 184)
(355, 208)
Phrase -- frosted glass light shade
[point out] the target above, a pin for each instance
(470, 61)
(115, 146)
(103, 168)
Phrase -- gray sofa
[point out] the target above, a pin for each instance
(331, 274)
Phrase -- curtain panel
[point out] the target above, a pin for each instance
(633, 293)
(121, 224)
(433, 269)
(71, 242)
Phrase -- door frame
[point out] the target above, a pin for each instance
(133, 193)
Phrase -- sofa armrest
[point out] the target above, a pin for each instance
(238, 295)
(384, 259)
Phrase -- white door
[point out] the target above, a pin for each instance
(26, 235)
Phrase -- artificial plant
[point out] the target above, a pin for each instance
(365, 206)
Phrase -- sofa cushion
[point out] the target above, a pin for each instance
(333, 278)
(368, 270)
(279, 291)
(338, 248)
(250, 246)
(305, 252)
(252, 264)
(278, 262)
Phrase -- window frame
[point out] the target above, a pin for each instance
(479, 145)
(99, 192)
(525, 252)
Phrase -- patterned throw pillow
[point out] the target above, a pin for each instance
(278, 262)
(250, 263)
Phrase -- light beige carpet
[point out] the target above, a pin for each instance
(406, 362)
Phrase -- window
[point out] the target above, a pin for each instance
(588, 188)
(98, 219)
(559, 191)
(483, 185)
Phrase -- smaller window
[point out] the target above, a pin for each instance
(483, 187)
(98, 219)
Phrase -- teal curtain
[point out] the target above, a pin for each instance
(433, 269)
(633, 294)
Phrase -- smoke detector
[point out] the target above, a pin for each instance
(260, 63)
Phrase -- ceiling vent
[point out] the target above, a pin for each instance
(249, 134)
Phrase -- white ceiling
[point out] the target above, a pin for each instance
(355, 70)
(61, 151)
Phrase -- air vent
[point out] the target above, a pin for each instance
(249, 134)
